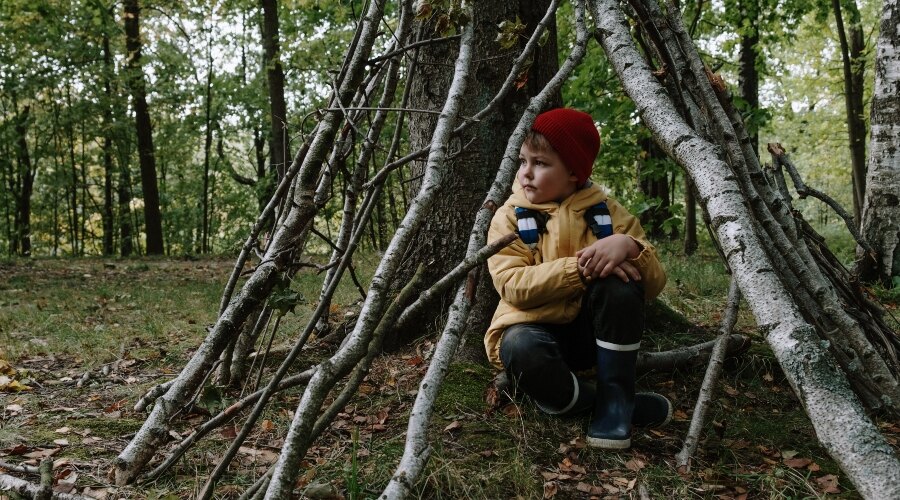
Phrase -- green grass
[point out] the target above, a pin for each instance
(141, 320)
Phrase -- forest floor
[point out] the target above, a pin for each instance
(89, 336)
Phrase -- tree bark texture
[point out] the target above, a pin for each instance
(881, 215)
(834, 409)
(441, 242)
(279, 145)
(108, 213)
(748, 74)
(25, 184)
(854, 67)
(135, 80)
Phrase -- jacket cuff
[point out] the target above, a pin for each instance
(643, 258)
(573, 277)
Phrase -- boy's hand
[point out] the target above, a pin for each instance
(607, 256)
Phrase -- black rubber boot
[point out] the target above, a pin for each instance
(651, 410)
(582, 400)
(611, 424)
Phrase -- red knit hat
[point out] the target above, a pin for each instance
(574, 137)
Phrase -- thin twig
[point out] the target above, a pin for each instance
(779, 155)
(709, 380)
(413, 46)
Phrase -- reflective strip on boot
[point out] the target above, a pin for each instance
(619, 347)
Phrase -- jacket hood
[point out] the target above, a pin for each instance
(582, 199)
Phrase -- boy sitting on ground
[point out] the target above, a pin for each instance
(574, 285)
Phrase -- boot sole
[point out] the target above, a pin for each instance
(609, 444)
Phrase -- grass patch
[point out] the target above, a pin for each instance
(133, 323)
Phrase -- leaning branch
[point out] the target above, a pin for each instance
(709, 380)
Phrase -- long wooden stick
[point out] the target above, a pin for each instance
(709, 380)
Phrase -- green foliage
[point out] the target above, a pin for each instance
(52, 60)
(283, 299)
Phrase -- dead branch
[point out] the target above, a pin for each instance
(10, 484)
(151, 395)
(154, 431)
(689, 355)
(683, 459)
(220, 419)
(781, 157)
(298, 438)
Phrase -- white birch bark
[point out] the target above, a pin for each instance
(417, 449)
(10, 484)
(881, 207)
(836, 413)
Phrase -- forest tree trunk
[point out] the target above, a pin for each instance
(854, 66)
(108, 167)
(881, 213)
(135, 80)
(748, 75)
(26, 185)
(279, 146)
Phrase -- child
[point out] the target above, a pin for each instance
(573, 287)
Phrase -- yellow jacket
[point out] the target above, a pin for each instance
(542, 285)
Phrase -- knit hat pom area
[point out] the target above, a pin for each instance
(573, 135)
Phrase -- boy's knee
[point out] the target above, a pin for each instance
(616, 294)
(523, 345)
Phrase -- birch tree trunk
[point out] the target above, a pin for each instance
(836, 413)
(881, 212)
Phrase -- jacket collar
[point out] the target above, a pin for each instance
(582, 199)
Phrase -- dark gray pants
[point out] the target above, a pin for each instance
(540, 357)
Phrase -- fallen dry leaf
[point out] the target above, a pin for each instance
(262, 455)
(550, 489)
(549, 476)
(267, 426)
(828, 484)
(454, 426)
(797, 463)
(98, 494)
(590, 489)
(635, 464)
(42, 453)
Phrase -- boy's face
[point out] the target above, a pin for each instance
(543, 175)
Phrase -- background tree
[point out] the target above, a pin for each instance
(144, 127)
(880, 214)
(854, 66)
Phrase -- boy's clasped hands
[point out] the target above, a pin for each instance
(608, 256)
